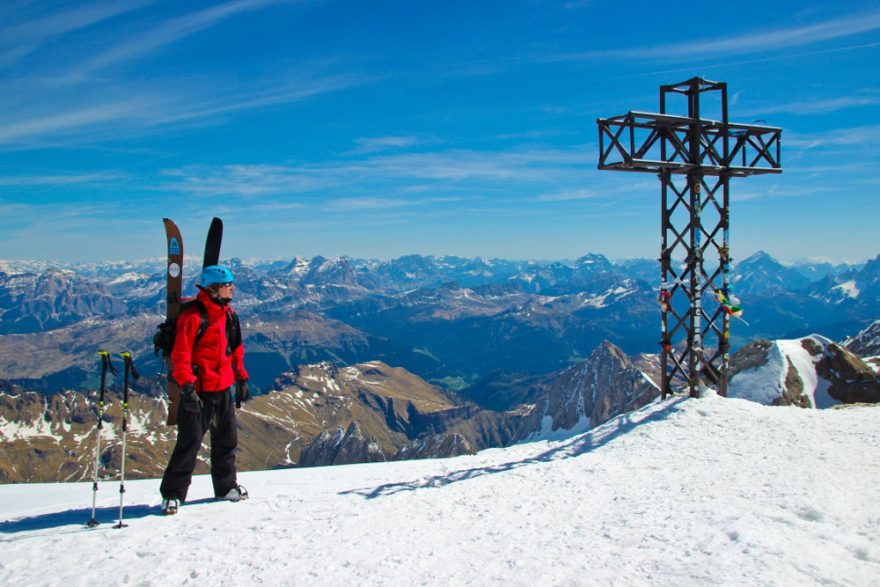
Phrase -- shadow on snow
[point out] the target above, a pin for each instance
(576, 446)
(108, 517)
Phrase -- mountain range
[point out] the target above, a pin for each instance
(456, 322)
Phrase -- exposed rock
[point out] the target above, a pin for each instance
(435, 446)
(588, 394)
(341, 448)
(866, 343)
(54, 438)
(793, 390)
(750, 356)
(852, 380)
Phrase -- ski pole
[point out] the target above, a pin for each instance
(105, 365)
(129, 368)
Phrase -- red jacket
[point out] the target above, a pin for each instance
(216, 370)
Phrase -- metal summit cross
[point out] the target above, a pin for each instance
(694, 158)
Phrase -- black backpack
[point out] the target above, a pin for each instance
(163, 341)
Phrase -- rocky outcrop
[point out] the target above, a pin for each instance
(852, 379)
(341, 448)
(588, 394)
(866, 343)
(435, 446)
(751, 356)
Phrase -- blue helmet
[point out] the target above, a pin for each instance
(215, 274)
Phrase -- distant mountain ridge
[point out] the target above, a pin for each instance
(451, 320)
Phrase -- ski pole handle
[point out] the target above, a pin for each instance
(129, 369)
(106, 364)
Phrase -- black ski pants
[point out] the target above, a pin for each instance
(218, 416)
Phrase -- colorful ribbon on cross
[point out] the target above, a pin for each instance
(730, 303)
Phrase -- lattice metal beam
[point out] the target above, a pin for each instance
(694, 158)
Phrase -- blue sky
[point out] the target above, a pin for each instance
(378, 129)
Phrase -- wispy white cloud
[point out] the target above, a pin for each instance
(372, 144)
(244, 180)
(73, 120)
(349, 204)
(777, 39)
(460, 164)
(284, 93)
(405, 173)
(819, 106)
(169, 32)
(19, 40)
(377, 203)
(61, 179)
(860, 136)
(760, 42)
(151, 110)
(581, 194)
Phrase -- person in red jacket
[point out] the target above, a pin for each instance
(206, 366)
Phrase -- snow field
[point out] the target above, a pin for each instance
(681, 492)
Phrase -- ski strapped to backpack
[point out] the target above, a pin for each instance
(174, 286)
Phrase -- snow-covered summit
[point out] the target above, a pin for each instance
(681, 492)
(809, 372)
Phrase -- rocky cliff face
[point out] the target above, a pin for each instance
(865, 344)
(435, 446)
(587, 394)
(340, 448)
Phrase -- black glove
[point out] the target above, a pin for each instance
(242, 392)
(190, 400)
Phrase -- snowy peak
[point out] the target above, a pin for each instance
(330, 271)
(594, 262)
(761, 274)
(810, 372)
(856, 287)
